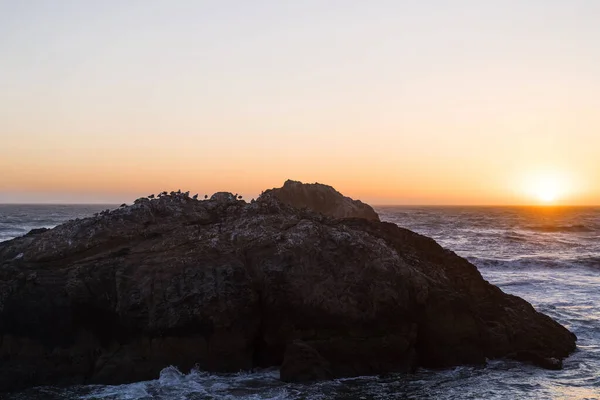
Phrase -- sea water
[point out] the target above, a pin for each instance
(550, 256)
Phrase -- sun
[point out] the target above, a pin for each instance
(547, 193)
(547, 188)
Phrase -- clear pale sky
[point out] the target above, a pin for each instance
(393, 102)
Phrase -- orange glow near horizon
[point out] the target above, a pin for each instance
(380, 185)
(422, 166)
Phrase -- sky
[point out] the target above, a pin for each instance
(392, 102)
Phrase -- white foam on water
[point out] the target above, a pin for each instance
(173, 384)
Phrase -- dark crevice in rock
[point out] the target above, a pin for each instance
(259, 346)
(260, 357)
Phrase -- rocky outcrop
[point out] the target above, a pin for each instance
(323, 199)
(223, 197)
(231, 286)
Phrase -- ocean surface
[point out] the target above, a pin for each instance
(550, 256)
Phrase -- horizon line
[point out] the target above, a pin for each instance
(372, 205)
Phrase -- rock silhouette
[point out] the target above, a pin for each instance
(323, 199)
(230, 286)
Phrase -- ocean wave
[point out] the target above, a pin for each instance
(11, 228)
(499, 380)
(559, 228)
(14, 232)
(513, 236)
(591, 261)
(588, 262)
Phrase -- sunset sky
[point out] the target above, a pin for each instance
(392, 102)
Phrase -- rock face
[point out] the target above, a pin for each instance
(302, 363)
(232, 286)
(323, 199)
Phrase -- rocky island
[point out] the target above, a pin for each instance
(303, 278)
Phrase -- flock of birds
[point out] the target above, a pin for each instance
(172, 194)
(179, 193)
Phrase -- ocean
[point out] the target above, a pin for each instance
(550, 256)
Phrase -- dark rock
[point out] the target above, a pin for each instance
(323, 199)
(224, 197)
(37, 231)
(538, 359)
(302, 363)
(229, 285)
